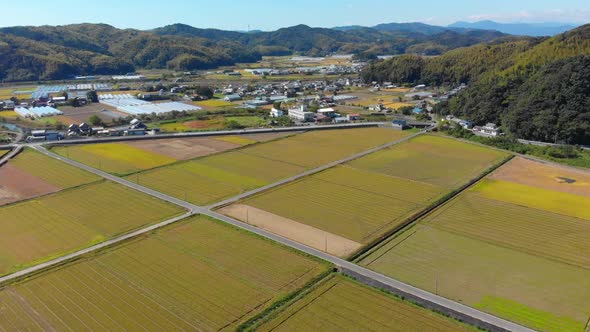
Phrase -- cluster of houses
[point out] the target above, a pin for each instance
(7, 105)
(453, 92)
(320, 70)
(135, 128)
(489, 130)
(290, 88)
(302, 113)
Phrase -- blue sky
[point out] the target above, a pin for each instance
(270, 15)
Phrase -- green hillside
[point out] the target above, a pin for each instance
(536, 88)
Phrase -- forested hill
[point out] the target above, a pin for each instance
(58, 52)
(536, 88)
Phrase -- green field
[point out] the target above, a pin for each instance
(116, 158)
(340, 304)
(210, 179)
(248, 121)
(214, 103)
(516, 251)
(196, 275)
(51, 170)
(352, 203)
(432, 159)
(39, 229)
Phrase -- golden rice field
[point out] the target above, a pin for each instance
(9, 114)
(352, 203)
(52, 171)
(214, 103)
(39, 229)
(316, 148)
(532, 290)
(210, 179)
(340, 304)
(537, 198)
(116, 158)
(371, 196)
(514, 250)
(196, 275)
(432, 159)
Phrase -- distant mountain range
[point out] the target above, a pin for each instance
(59, 52)
(518, 29)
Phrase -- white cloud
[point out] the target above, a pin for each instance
(556, 15)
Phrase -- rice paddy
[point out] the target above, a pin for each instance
(116, 158)
(515, 250)
(52, 171)
(352, 203)
(39, 229)
(340, 304)
(371, 196)
(213, 178)
(196, 275)
(432, 159)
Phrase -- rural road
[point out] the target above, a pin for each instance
(16, 150)
(483, 319)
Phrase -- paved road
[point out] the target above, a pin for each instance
(398, 286)
(10, 155)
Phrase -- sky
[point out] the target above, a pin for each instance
(273, 14)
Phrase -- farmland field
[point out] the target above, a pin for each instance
(196, 275)
(31, 174)
(352, 203)
(193, 147)
(193, 125)
(213, 178)
(545, 176)
(210, 179)
(130, 157)
(362, 200)
(38, 229)
(117, 158)
(515, 250)
(432, 159)
(316, 148)
(212, 103)
(340, 304)
(51, 170)
(248, 121)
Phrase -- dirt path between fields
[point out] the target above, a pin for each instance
(305, 234)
